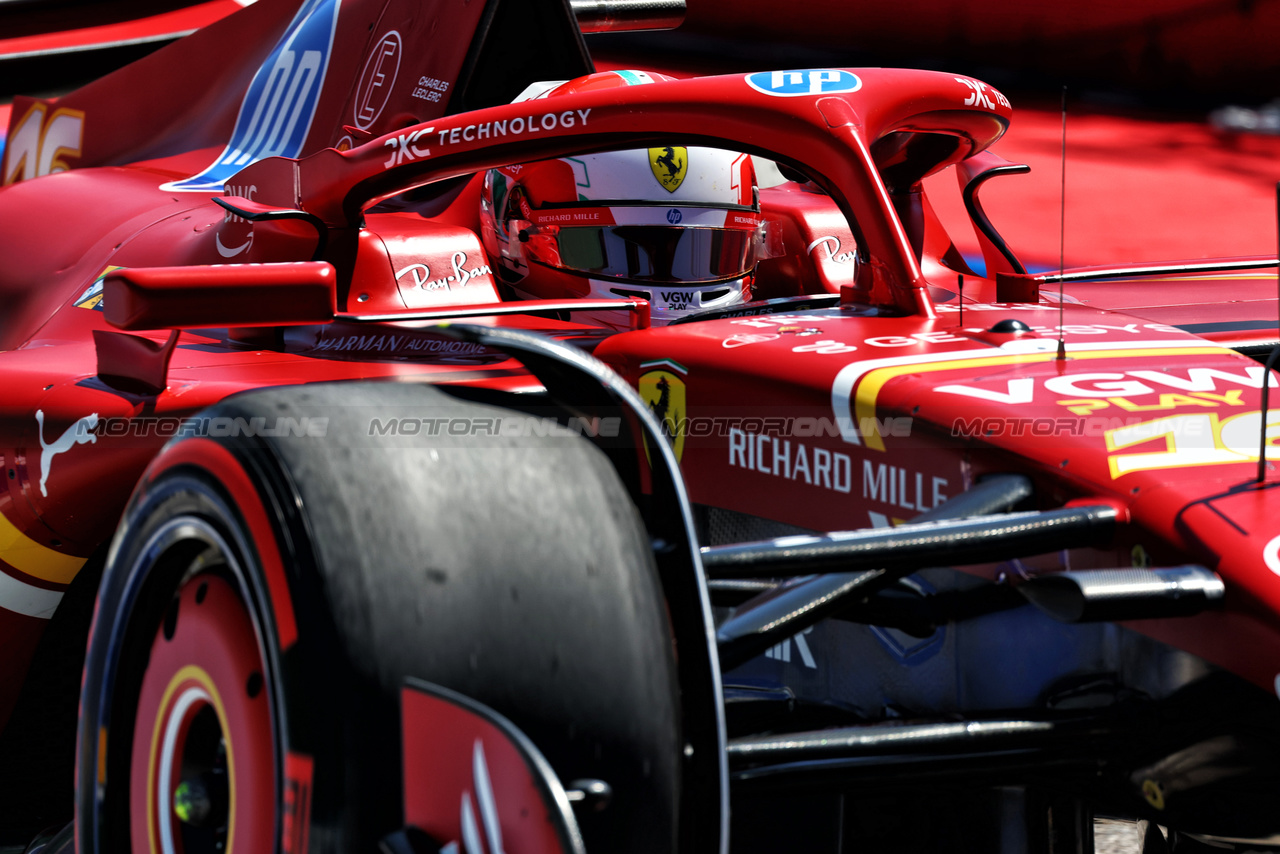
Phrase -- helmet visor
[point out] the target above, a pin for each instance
(658, 253)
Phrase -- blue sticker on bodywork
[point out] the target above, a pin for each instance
(280, 103)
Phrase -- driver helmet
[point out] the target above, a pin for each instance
(678, 226)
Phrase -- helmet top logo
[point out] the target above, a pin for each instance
(669, 164)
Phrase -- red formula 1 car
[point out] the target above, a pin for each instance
(370, 555)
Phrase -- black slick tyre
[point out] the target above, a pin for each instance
(510, 568)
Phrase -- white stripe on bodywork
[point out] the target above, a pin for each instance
(27, 599)
(842, 388)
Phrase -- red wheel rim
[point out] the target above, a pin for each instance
(203, 774)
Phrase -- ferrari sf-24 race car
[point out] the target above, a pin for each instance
(877, 553)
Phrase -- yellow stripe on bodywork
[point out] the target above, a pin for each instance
(26, 555)
(874, 380)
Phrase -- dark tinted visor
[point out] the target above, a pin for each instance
(659, 253)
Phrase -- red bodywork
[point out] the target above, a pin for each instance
(894, 401)
(35, 37)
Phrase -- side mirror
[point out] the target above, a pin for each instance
(231, 295)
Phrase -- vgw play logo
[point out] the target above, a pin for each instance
(280, 104)
(809, 81)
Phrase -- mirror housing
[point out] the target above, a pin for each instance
(217, 295)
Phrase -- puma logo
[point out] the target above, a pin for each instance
(77, 434)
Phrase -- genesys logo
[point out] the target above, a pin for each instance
(281, 101)
(809, 81)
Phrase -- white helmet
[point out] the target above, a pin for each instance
(678, 226)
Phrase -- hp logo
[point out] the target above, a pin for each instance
(812, 81)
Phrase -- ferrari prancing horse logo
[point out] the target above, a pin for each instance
(664, 392)
(669, 165)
